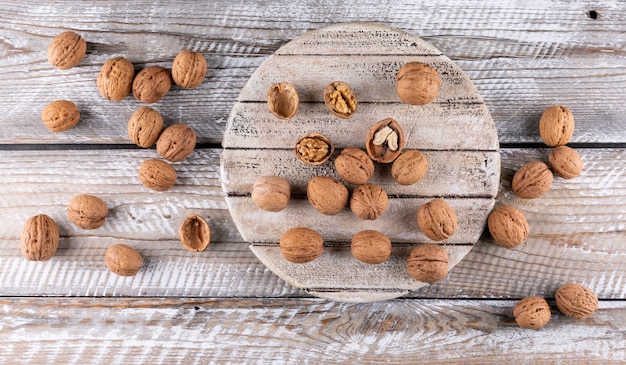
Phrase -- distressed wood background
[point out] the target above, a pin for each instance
(223, 305)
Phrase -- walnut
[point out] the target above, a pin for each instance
(437, 220)
(418, 83)
(151, 84)
(326, 194)
(556, 126)
(369, 201)
(354, 166)
(340, 99)
(87, 211)
(314, 149)
(145, 126)
(194, 233)
(576, 301)
(385, 141)
(283, 100)
(271, 193)
(123, 260)
(532, 312)
(60, 115)
(116, 78)
(189, 69)
(371, 247)
(66, 50)
(157, 175)
(565, 162)
(409, 168)
(39, 239)
(176, 142)
(428, 263)
(508, 226)
(532, 180)
(301, 245)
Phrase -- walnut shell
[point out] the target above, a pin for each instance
(87, 211)
(271, 193)
(371, 247)
(326, 194)
(176, 142)
(283, 100)
(66, 50)
(409, 168)
(60, 115)
(383, 147)
(565, 162)
(340, 99)
(189, 69)
(354, 166)
(115, 79)
(532, 312)
(556, 126)
(576, 301)
(39, 239)
(123, 260)
(151, 84)
(437, 220)
(418, 83)
(157, 175)
(428, 263)
(369, 201)
(508, 226)
(301, 245)
(194, 233)
(532, 180)
(145, 126)
(314, 149)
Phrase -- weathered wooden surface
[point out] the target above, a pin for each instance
(522, 57)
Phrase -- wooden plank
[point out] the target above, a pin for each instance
(281, 331)
(252, 126)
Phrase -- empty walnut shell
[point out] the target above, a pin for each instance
(326, 194)
(301, 245)
(39, 239)
(370, 246)
(508, 226)
(151, 84)
(369, 201)
(532, 180)
(437, 220)
(409, 168)
(565, 162)
(189, 69)
(176, 142)
(340, 99)
(385, 141)
(556, 126)
(60, 115)
(123, 260)
(115, 79)
(66, 50)
(157, 175)
(532, 312)
(87, 211)
(418, 83)
(283, 100)
(576, 301)
(428, 263)
(145, 126)
(194, 233)
(271, 193)
(354, 166)
(314, 149)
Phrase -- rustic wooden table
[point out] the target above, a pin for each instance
(223, 305)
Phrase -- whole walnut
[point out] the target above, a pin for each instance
(409, 168)
(532, 312)
(556, 126)
(271, 193)
(326, 194)
(418, 83)
(428, 263)
(508, 226)
(532, 180)
(60, 115)
(40, 238)
(565, 162)
(576, 301)
(66, 50)
(145, 126)
(371, 247)
(189, 69)
(151, 84)
(354, 166)
(157, 175)
(369, 201)
(301, 245)
(115, 78)
(87, 211)
(176, 142)
(123, 260)
(437, 220)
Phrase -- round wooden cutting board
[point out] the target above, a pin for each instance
(455, 132)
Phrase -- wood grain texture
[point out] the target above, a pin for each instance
(201, 331)
(521, 57)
